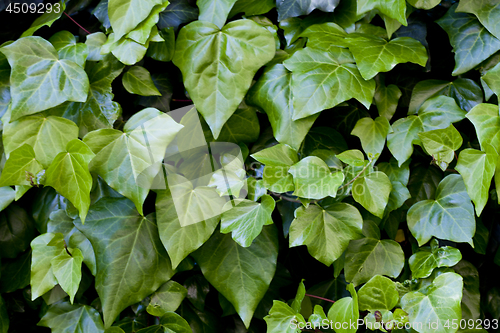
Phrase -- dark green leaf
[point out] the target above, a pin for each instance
(67, 318)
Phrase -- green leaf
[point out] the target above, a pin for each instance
(487, 124)
(16, 231)
(466, 93)
(439, 112)
(223, 81)
(471, 42)
(242, 126)
(66, 318)
(250, 7)
(69, 175)
(167, 298)
(15, 274)
(491, 78)
(68, 271)
(477, 169)
(163, 51)
(137, 80)
(471, 298)
(177, 13)
(282, 318)
(405, 134)
(278, 155)
(386, 99)
(450, 216)
(313, 180)
(425, 261)
(372, 134)
(246, 218)
(21, 162)
(379, 293)
(441, 144)
(45, 247)
(326, 232)
(368, 257)
(94, 43)
(486, 11)
(323, 138)
(46, 19)
(122, 239)
(352, 157)
(242, 275)
(322, 80)
(215, 11)
(440, 302)
(395, 9)
(125, 16)
(164, 86)
(142, 32)
(374, 54)
(124, 159)
(324, 35)
(67, 48)
(273, 93)
(372, 192)
(293, 8)
(4, 317)
(35, 66)
(424, 4)
(345, 310)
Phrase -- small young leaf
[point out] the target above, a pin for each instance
(137, 80)
(68, 271)
(425, 261)
(372, 192)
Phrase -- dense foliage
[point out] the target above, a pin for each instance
(341, 164)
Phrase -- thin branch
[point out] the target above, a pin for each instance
(284, 197)
(181, 100)
(88, 32)
(357, 176)
(321, 298)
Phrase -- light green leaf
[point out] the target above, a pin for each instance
(125, 15)
(345, 310)
(21, 162)
(246, 218)
(352, 157)
(374, 54)
(492, 80)
(217, 83)
(450, 216)
(293, 8)
(368, 257)
(142, 32)
(405, 134)
(395, 9)
(35, 64)
(372, 192)
(69, 175)
(180, 240)
(441, 144)
(68, 271)
(273, 93)
(94, 43)
(440, 302)
(386, 99)
(326, 232)
(487, 124)
(242, 275)
(427, 259)
(278, 155)
(137, 80)
(324, 35)
(46, 19)
(379, 293)
(127, 160)
(281, 319)
(67, 48)
(471, 42)
(42, 275)
(122, 239)
(66, 318)
(256, 188)
(372, 134)
(439, 112)
(7, 195)
(167, 298)
(486, 11)
(313, 180)
(322, 80)
(424, 4)
(215, 11)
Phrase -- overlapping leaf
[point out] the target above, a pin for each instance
(126, 15)
(372, 134)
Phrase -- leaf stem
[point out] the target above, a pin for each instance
(357, 176)
(321, 298)
(77, 23)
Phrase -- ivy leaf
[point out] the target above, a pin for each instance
(405, 134)
(424, 4)
(163, 51)
(395, 9)
(94, 43)
(250, 7)
(170, 322)
(246, 218)
(345, 310)
(450, 216)
(137, 80)
(279, 154)
(322, 80)
(125, 16)
(372, 134)
(223, 82)
(122, 239)
(46, 19)
(68, 271)
(67, 48)
(372, 192)
(487, 124)
(324, 35)
(242, 275)
(471, 42)
(4, 317)
(313, 180)
(441, 144)
(167, 298)
(439, 112)
(471, 296)
(440, 302)
(69, 175)
(141, 146)
(368, 257)
(164, 86)
(293, 8)
(427, 259)
(242, 126)
(66, 318)
(273, 93)
(486, 12)
(278, 160)
(35, 64)
(21, 162)
(379, 293)
(317, 227)
(374, 54)
(143, 30)
(280, 319)
(215, 11)
(177, 12)
(386, 99)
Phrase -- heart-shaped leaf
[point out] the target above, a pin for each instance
(427, 259)
(379, 293)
